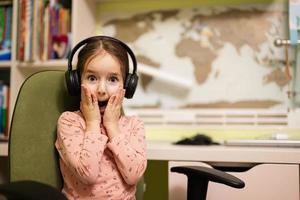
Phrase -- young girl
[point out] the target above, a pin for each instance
(102, 152)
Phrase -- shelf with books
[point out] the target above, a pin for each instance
(4, 104)
(82, 22)
(6, 13)
(41, 39)
(44, 30)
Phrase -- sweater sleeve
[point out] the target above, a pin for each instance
(129, 151)
(79, 150)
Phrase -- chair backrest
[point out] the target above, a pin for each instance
(32, 154)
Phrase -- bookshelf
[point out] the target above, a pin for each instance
(83, 24)
(5, 63)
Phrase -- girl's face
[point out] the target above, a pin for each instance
(103, 76)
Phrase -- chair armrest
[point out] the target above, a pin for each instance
(210, 174)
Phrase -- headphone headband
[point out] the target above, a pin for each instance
(87, 40)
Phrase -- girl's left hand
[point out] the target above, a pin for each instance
(112, 113)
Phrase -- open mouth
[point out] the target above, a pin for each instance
(102, 103)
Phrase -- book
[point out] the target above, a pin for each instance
(22, 29)
(1, 109)
(5, 109)
(44, 30)
(5, 32)
(4, 105)
(2, 22)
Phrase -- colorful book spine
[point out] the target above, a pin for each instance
(22, 29)
(44, 29)
(5, 32)
(2, 22)
(4, 104)
(5, 109)
(8, 23)
(1, 110)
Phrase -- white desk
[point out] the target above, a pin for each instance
(157, 150)
(276, 169)
(222, 154)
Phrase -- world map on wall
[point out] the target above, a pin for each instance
(226, 52)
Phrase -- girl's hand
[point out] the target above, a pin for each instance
(113, 112)
(90, 109)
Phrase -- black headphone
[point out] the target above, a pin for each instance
(72, 77)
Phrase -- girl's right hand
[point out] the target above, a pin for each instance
(90, 109)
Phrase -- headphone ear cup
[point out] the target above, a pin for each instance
(72, 82)
(130, 85)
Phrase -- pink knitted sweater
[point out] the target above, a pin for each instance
(94, 167)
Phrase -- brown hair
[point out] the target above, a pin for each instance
(96, 46)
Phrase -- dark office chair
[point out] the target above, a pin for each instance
(198, 178)
(32, 154)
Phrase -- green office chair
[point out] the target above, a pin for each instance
(32, 154)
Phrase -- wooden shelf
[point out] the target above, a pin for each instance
(50, 64)
(5, 64)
